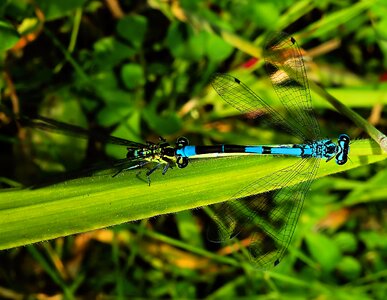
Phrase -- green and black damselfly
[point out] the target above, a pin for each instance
(273, 215)
(160, 155)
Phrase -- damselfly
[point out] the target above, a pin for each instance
(152, 155)
(274, 214)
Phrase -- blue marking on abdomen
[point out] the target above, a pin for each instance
(291, 151)
(186, 151)
(297, 151)
(286, 151)
(254, 149)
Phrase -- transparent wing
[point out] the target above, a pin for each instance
(111, 168)
(286, 70)
(267, 221)
(72, 130)
(241, 97)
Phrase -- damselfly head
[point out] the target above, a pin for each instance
(182, 142)
(342, 149)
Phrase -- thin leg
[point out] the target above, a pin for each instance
(149, 173)
(141, 178)
(169, 165)
(165, 169)
(139, 165)
(153, 169)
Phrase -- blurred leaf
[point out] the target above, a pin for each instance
(9, 36)
(349, 268)
(132, 75)
(188, 228)
(331, 22)
(379, 10)
(184, 43)
(113, 114)
(164, 124)
(184, 290)
(323, 250)
(216, 48)
(109, 52)
(110, 92)
(28, 25)
(374, 240)
(3, 5)
(132, 29)
(264, 13)
(54, 9)
(191, 6)
(346, 241)
(16, 9)
(372, 190)
(381, 29)
(157, 69)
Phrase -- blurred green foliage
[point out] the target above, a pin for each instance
(140, 69)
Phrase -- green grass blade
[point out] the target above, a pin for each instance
(334, 20)
(378, 136)
(28, 216)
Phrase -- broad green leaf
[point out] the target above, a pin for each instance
(84, 204)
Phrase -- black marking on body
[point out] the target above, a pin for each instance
(220, 149)
(266, 150)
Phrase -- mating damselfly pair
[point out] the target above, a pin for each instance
(275, 213)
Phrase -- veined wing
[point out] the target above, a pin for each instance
(286, 69)
(268, 220)
(72, 130)
(241, 97)
(110, 168)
